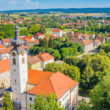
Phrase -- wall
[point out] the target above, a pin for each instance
(5, 79)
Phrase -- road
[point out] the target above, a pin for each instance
(89, 53)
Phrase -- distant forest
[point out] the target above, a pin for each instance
(62, 10)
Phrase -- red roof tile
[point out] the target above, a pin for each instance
(45, 56)
(57, 83)
(56, 30)
(4, 66)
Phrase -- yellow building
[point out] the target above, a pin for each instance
(34, 63)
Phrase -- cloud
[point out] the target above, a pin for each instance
(18, 4)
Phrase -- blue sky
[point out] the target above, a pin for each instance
(34, 4)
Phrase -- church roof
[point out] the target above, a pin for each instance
(56, 83)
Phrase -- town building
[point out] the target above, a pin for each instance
(57, 32)
(38, 36)
(6, 42)
(4, 74)
(34, 63)
(87, 44)
(4, 53)
(45, 59)
(27, 83)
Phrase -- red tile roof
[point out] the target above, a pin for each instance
(57, 83)
(86, 35)
(6, 40)
(56, 30)
(2, 46)
(5, 50)
(33, 59)
(4, 66)
(82, 41)
(35, 76)
(98, 41)
(45, 56)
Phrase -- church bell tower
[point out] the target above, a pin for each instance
(18, 68)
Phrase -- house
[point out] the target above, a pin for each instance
(45, 59)
(57, 32)
(87, 44)
(34, 63)
(4, 53)
(4, 74)
(78, 35)
(2, 46)
(27, 83)
(6, 42)
(85, 36)
(96, 43)
(38, 36)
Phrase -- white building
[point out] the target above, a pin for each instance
(45, 59)
(25, 85)
(57, 32)
(4, 74)
(4, 53)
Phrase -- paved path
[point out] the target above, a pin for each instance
(88, 53)
(87, 99)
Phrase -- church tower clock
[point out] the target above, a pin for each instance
(18, 68)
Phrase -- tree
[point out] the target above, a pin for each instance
(7, 102)
(1, 35)
(33, 29)
(42, 30)
(50, 42)
(45, 103)
(72, 60)
(83, 105)
(45, 43)
(24, 32)
(71, 71)
(100, 96)
(102, 52)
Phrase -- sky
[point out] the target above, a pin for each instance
(44, 4)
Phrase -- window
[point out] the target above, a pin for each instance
(14, 61)
(23, 60)
(30, 98)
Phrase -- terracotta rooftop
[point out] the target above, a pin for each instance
(82, 41)
(6, 40)
(97, 41)
(4, 66)
(5, 50)
(45, 56)
(57, 83)
(35, 76)
(33, 59)
(2, 46)
(56, 30)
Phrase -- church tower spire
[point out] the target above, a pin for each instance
(18, 68)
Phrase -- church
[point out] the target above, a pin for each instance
(27, 83)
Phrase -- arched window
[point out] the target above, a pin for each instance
(14, 61)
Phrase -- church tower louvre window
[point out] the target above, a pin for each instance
(14, 61)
